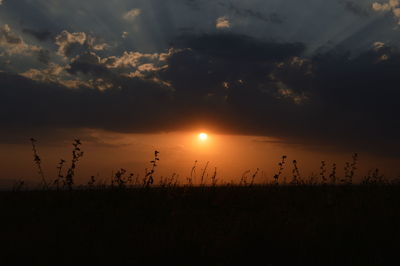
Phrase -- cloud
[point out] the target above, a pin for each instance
(79, 73)
(44, 56)
(41, 35)
(246, 12)
(192, 4)
(88, 69)
(378, 45)
(271, 89)
(49, 104)
(8, 37)
(11, 43)
(130, 59)
(136, 64)
(238, 47)
(132, 14)
(131, 102)
(222, 23)
(355, 8)
(49, 75)
(108, 71)
(125, 35)
(226, 82)
(392, 5)
(75, 43)
(68, 42)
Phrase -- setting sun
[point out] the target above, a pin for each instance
(203, 136)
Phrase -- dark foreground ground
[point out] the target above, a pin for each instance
(321, 225)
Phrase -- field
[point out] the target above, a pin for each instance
(203, 225)
(134, 220)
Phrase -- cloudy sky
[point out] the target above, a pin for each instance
(316, 74)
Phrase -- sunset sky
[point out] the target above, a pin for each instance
(314, 80)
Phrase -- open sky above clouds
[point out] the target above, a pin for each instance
(307, 72)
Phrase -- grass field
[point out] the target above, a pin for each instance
(133, 220)
(222, 225)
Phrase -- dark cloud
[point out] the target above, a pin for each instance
(89, 64)
(192, 4)
(44, 56)
(230, 83)
(41, 35)
(220, 65)
(239, 47)
(34, 104)
(355, 8)
(71, 44)
(245, 12)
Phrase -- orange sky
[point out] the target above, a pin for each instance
(232, 155)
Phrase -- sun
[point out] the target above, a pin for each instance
(203, 136)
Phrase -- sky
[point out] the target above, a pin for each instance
(315, 80)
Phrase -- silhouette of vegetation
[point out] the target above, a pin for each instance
(121, 179)
(322, 219)
(281, 167)
(38, 162)
(77, 154)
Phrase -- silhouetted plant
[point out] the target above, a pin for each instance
(60, 176)
(332, 175)
(295, 174)
(281, 167)
(192, 176)
(253, 177)
(214, 178)
(349, 170)
(243, 178)
(77, 154)
(203, 174)
(92, 181)
(312, 180)
(322, 172)
(119, 178)
(129, 179)
(169, 182)
(353, 167)
(122, 180)
(374, 178)
(38, 162)
(149, 177)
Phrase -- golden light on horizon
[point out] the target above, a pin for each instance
(203, 136)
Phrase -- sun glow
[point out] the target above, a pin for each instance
(203, 136)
